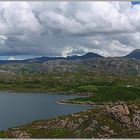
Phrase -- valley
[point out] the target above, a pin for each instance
(70, 69)
(111, 82)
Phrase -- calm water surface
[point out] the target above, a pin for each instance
(21, 108)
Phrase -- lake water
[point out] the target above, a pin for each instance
(20, 108)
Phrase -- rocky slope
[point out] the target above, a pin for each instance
(96, 65)
(109, 121)
(103, 65)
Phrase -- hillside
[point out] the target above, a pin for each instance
(134, 54)
(113, 83)
(100, 65)
(118, 120)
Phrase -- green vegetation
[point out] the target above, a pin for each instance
(86, 88)
(69, 82)
(90, 125)
(102, 87)
(105, 80)
(3, 134)
(51, 133)
(112, 94)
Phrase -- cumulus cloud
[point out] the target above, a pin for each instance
(11, 58)
(69, 28)
(2, 39)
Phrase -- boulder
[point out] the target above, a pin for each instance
(72, 125)
(107, 129)
(62, 123)
(136, 121)
(19, 134)
(106, 135)
(123, 119)
(118, 109)
(133, 106)
(119, 113)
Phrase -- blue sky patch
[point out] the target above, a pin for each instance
(135, 2)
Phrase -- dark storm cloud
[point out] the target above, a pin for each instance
(69, 28)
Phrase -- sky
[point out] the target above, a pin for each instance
(31, 29)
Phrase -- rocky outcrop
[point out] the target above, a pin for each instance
(106, 132)
(114, 120)
(91, 127)
(104, 65)
(59, 65)
(17, 133)
(136, 121)
(119, 109)
(119, 113)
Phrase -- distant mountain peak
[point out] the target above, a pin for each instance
(136, 50)
(91, 54)
(134, 54)
(42, 59)
(88, 55)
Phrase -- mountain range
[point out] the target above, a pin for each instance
(90, 55)
(89, 62)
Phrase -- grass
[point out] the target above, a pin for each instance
(112, 94)
(51, 133)
(69, 82)
(106, 87)
(3, 134)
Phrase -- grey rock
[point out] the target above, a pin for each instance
(119, 113)
(107, 129)
(136, 121)
(107, 65)
(72, 125)
(19, 134)
(118, 109)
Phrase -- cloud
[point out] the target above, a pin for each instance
(17, 18)
(11, 58)
(2, 39)
(69, 28)
(74, 50)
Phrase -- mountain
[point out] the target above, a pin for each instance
(100, 65)
(134, 54)
(89, 62)
(43, 59)
(97, 65)
(88, 55)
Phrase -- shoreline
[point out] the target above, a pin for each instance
(81, 104)
(101, 104)
(61, 102)
(82, 94)
(57, 102)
